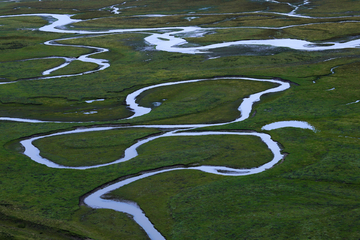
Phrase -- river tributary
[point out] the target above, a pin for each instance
(168, 39)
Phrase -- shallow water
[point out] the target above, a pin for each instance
(284, 124)
(173, 43)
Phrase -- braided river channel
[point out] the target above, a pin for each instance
(167, 39)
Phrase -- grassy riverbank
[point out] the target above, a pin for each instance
(312, 193)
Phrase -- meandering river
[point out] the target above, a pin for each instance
(169, 41)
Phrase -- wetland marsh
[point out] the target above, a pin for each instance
(117, 104)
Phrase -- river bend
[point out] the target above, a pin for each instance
(169, 41)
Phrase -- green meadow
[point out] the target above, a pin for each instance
(313, 193)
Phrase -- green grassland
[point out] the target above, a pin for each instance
(313, 193)
(113, 84)
(75, 67)
(332, 8)
(90, 148)
(20, 41)
(246, 20)
(90, 9)
(316, 33)
(29, 69)
(93, 148)
(202, 102)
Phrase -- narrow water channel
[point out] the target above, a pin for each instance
(171, 42)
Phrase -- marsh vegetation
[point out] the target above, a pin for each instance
(313, 192)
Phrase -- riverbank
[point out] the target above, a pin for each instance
(317, 180)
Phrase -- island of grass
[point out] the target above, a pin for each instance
(312, 193)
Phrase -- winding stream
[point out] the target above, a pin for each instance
(168, 40)
(95, 201)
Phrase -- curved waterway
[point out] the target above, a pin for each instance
(168, 39)
(94, 200)
(102, 63)
(244, 108)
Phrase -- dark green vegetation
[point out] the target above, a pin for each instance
(90, 148)
(201, 102)
(18, 41)
(327, 31)
(90, 9)
(313, 193)
(86, 149)
(208, 150)
(30, 69)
